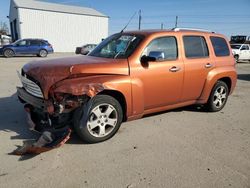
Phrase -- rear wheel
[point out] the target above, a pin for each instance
(218, 97)
(99, 119)
(43, 53)
(8, 53)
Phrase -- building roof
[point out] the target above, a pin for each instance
(54, 7)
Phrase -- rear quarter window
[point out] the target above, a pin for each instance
(195, 47)
(43, 43)
(220, 46)
(35, 43)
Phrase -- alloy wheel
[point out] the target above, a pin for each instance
(43, 53)
(102, 120)
(220, 96)
(8, 53)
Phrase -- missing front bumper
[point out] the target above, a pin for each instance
(34, 101)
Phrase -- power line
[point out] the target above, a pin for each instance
(198, 16)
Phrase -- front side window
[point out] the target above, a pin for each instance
(164, 48)
(220, 46)
(118, 46)
(21, 43)
(195, 47)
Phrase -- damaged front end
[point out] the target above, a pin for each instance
(52, 116)
(55, 112)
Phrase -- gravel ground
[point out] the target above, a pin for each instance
(180, 148)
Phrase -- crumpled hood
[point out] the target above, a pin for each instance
(50, 71)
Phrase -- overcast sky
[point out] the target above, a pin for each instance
(223, 16)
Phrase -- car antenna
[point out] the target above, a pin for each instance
(128, 22)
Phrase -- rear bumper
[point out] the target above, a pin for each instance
(30, 99)
(50, 51)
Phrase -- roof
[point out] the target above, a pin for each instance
(54, 7)
(155, 31)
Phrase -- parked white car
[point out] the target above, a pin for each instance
(4, 40)
(241, 51)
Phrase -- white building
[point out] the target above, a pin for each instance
(65, 27)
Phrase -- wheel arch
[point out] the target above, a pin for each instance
(119, 97)
(228, 81)
(43, 49)
(227, 75)
(9, 49)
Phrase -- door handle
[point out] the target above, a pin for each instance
(174, 69)
(208, 65)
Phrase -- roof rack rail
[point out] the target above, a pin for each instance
(191, 29)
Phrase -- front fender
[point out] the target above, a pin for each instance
(215, 75)
(92, 85)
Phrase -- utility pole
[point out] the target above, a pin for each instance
(139, 19)
(176, 21)
(161, 26)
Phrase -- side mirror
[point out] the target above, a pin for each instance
(145, 59)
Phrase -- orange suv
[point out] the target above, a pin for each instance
(128, 75)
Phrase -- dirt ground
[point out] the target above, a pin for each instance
(180, 148)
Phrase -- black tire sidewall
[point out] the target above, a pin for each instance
(236, 58)
(210, 105)
(82, 113)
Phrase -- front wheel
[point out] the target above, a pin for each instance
(8, 53)
(218, 97)
(99, 119)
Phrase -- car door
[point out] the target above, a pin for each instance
(197, 65)
(21, 47)
(35, 46)
(162, 79)
(244, 52)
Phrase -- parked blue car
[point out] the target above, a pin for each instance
(37, 47)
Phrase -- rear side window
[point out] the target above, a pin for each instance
(35, 43)
(195, 47)
(220, 46)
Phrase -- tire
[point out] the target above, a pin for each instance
(218, 97)
(8, 53)
(236, 57)
(43, 53)
(99, 119)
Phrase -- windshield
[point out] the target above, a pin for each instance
(235, 46)
(17, 41)
(118, 46)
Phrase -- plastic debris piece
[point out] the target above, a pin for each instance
(47, 141)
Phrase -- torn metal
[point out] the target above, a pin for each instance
(90, 89)
(47, 141)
